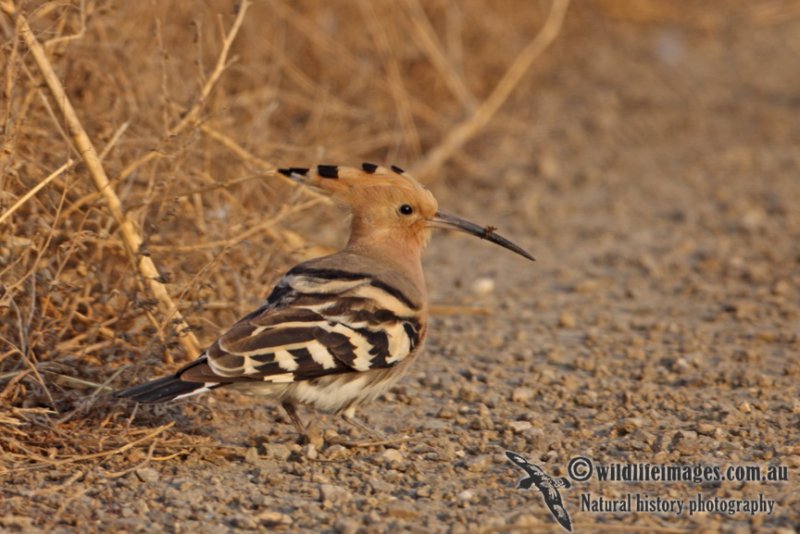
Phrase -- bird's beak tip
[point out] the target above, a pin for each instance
(445, 220)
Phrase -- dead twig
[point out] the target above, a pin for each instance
(24, 198)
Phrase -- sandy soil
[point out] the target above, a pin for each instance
(653, 170)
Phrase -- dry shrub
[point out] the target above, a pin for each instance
(304, 82)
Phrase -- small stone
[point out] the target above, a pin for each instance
(745, 407)
(518, 427)
(393, 456)
(251, 455)
(333, 495)
(521, 395)
(345, 526)
(479, 464)
(380, 486)
(483, 286)
(466, 495)
(566, 320)
(244, 522)
(446, 413)
(706, 429)
(279, 451)
(682, 366)
(401, 510)
(147, 474)
(423, 491)
(270, 518)
(571, 383)
(336, 452)
(311, 451)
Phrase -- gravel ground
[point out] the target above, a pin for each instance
(653, 171)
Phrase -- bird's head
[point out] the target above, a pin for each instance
(389, 205)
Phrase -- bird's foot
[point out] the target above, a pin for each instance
(350, 419)
(378, 437)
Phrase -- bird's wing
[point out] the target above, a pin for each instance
(552, 498)
(317, 321)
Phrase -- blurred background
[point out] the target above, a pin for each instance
(645, 151)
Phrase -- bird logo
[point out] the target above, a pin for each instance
(547, 485)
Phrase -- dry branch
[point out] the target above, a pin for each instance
(473, 124)
(35, 190)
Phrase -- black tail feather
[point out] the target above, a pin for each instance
(161, 390)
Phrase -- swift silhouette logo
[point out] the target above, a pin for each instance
(547, 485)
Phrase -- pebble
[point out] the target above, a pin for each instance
(346, 526)
(479, 464)
(333, 495)
(518, 427)
(466, 495)
(423, 491)
(401, 510)
(270, 517)
(521, 395)
(566, 320)
(393, 456)
(251, 455)
(380, 486)
(706, 429)
(310, 451)
(446, 413)
(336, 452)
(483, 286)
(278, 451)
(147, 474)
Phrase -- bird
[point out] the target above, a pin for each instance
(547, 485)
(338, 331)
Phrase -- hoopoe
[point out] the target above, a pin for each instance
(337, 331)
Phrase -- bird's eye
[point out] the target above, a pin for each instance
(406, 209)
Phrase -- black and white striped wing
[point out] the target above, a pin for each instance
(319, 322)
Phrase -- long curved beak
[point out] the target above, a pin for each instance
(451, 222)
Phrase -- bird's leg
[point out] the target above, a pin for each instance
(291, 411)
(375, 434)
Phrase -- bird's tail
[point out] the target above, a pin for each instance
(196, 377)
(163, 390)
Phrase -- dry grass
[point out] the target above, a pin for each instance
(137, 183)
